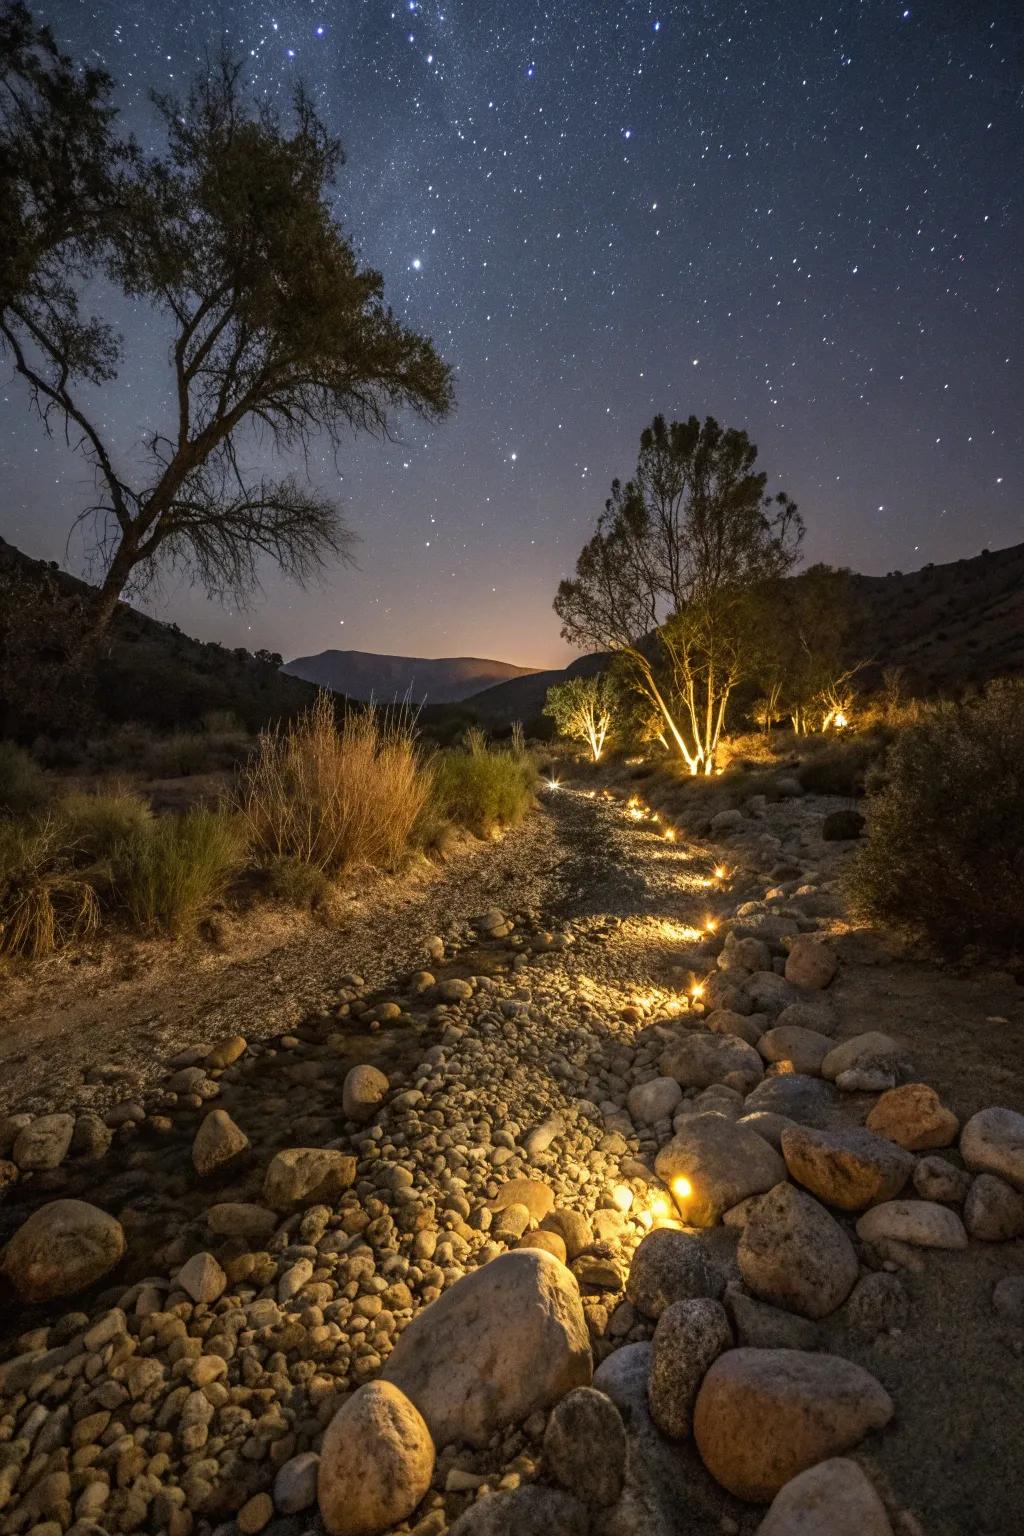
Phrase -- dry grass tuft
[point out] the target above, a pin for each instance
(167, 876)
(333, 795)
(45, 903)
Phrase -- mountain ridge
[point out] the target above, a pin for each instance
(432, 680)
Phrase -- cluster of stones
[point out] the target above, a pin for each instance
(484, 1294)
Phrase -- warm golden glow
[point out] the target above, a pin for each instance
(623, 1197)
(840, 720)
(659, 1206)
(553, 784)
(682, 1188)
(697, 990)
(670, 834)
(710, 925)
(720, 872)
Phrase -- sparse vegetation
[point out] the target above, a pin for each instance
(95, 825)
(22, 784)
(45, 903)
(581, 708)
(167, 876)
(333, 795)
(945, 848)
(484, 788)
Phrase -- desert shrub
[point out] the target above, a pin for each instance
(95, 824)
(298, 884)
(166, 875)
(840, 767)
(22, 784)
(945, 848)
(483, 788)
(45, 903)
(333, 795)
(179, 755)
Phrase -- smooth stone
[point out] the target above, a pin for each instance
(698, 1060)
(670, 1266)
(805, 1100)
(805, 1049)
(653, 1101)
(307, 1176)
(920, 1223)
(504, 1341)
(202, 1278)
(833, 1498)
(376, 1462)
(914, 1117)
(936, 1179)
(765, 1415)
(44, 1143)
(549, 1241)
(227, 1051)
(850, 1169)
(63, 1247)
(793, 1254)
(218, 1142)
(992, 1141)
(526, 1511)
(760, 1326)
(994, 1210)
(767, 1125)
(724, 1021)
(537, 1196)
(722, 1162)
(236, 1219)
(869, 1052)
(811, 963)
(572, 1227)
(817, 1016)
(363, 1092)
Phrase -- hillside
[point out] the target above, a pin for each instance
(364, 675)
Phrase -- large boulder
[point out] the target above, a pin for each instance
(301, 1176)
(669, 1266)
(765, 1415)
(363, 1092)
(807, 1100)
(804, 1049)
(62, 1248)
(699, 1059)
(918, 1222)
(44, 1143)
(811, 963)
(833, 1498)
(690, 1335)
(218, 1142)
(376, 1462)
(914, 1117)
(712, 1163)
(793, 1254)
(868, 1061)
(585, 1446)
(505, 1341)
(851, 1169)
(992, 1141)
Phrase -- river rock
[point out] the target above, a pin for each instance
(805, 1049)
(44, 1143)
(537, 1196)
(914, 1117)
(878, 1303)
(815, 1014)
(202, 1278)
(811, 963)
(91, 1138)
(760, 1326)
(669, 1266)
(918, 1222)
(653, 1101)
(765, 1415)
(699, 1059)
(549, 1241)
(994, 1210)
(768, 1126)
(218, 1142)
(363, 1092)
(307, 1176)
(793, 1254)
(585, 1446)
(295, 1484)
(689, 1336)
(937, 1179)
(806, 1100)
(992, 1141)
(235, 1219)
(748, 1027)
(376, 1462)
(572, 1227)
(63, 1247)
(505, 1341)
(722, 1162)
(833, 1498)
(851, 1169)
(871, 1052)
(227, 1051)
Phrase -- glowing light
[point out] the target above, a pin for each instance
(553, 784)
(710, 925)
(721, 872)
(697, 990)
(659, 1206)
(682, 1188)
(670, 834)
(840, 720)
(622, 1196)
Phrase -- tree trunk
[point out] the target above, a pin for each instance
(108, 595)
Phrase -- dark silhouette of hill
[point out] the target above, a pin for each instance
(365, 675)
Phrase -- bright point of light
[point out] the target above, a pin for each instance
(720, 872)
(710, 925)
(553, 784)
(657, 26)
(627, 133)
(416, 264)
(840, 719)
(670, 834)
(513, 457)
(682, 1188)
(659, 1206)
(697, 990)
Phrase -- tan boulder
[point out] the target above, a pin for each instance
(850, 1169)
(914, 1117)
(376, 1462)
(307, 1176)
(62, 1248)
(833, 1498)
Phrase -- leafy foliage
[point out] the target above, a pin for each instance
(484, 789)
(582, 708)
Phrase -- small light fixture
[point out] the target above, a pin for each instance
(682, 1188)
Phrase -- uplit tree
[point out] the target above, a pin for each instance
(668, 578)
(581, 708)
(277, 337)
(804, 632)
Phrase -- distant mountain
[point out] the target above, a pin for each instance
(363, 675)
(522, 698)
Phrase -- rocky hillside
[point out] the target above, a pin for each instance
(364, 675)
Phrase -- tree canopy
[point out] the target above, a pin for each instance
(278, 337)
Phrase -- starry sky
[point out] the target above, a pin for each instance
(803, 218)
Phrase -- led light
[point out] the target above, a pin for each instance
(682, 1188)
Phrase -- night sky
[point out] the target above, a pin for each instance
(802, 218)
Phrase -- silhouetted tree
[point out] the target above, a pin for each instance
(667, 579)
(277, 336)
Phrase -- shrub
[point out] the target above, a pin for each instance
(483, 788)
(167, 875)
(334, 795)
(22, 784)
(44, 902)
(945, 847)
(840, 768)
(178, 756)
(298, 884)
(95, 824)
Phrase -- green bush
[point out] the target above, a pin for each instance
(178, 756)
(22, 783)
(945, 847)
(167, 876)
(298, 884)
(483, 788)
(95, 824)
